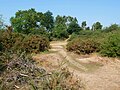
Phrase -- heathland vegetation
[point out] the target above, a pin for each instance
(32, 31)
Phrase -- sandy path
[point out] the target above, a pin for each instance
(98, 73)
(60, 48)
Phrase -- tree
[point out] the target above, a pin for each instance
(84, 24)
(73, 27)
(71, 19)
(48, 21)
(25, 21)
(28, 21)
(96, 26)
(60, 27)
(1, 22)
(87, 28)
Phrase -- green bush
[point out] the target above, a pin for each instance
(111, 46)
(73, 36)
(59, 35)
(85, 34)
(83, 46)
(112, 28)
(107, 41)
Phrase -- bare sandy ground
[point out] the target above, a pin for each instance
(98, 73)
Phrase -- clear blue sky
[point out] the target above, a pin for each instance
(105, 11)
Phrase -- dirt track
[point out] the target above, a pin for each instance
(97, 72)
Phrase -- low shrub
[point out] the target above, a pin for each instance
(73, 36)
(1, 47)
(111, 46)
(23, 73)
(3, 60)
(112, 28)
(20, 70)
(85, 34)
(11, 41)
(35, 43)
(107, 41)
(28, 43)
(83, 46)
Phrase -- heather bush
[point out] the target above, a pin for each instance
(22, 72)
(11, 41)
(83, 46)
(35, 43)
(28, 43)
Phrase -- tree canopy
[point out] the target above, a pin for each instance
(27, 21)
(1, 22)
(96, 26)
(84, 24)
(59, 27)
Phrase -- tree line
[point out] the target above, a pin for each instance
(59, 27)
(45, 24)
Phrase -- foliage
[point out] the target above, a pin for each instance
(22, 73)
(84, 24)
(83, 46)
(73, 27)
(28, 43)
(1, 22)
(20, 70)
(1, 47)
(33, 22)
(3, 62)
(64, 26)
(24, 21)
(27, 21)
(105, 42)
(111, 46)
(11, 41)
(41, 32)
(96, 26)
(73, 36)
(35, 43)
(85, 42)
(60, 28)
(113, 27)
(60, 33)
(48, 21)
(87, 34)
